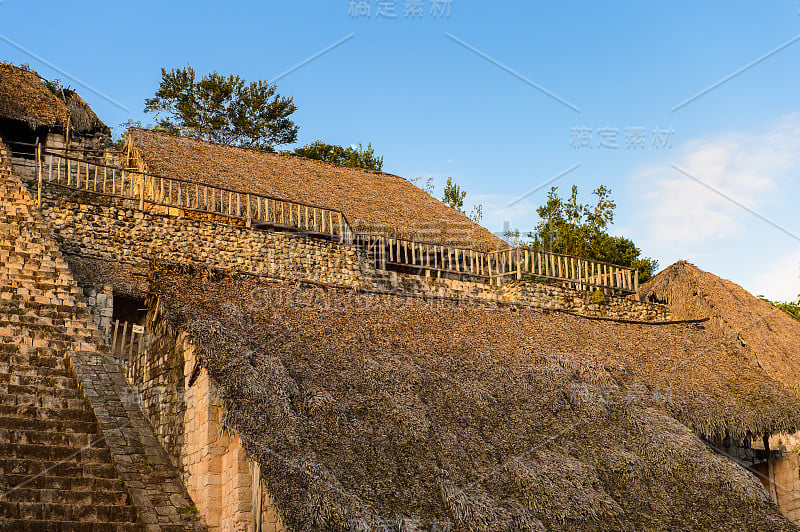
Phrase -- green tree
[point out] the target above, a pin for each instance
(454, 197)
(223, 109)
(354, 157)
(789, 307)
(569, 227)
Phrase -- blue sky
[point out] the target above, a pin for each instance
(432, 96)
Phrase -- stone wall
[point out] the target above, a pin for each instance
(120, 235)
(787, 485)
(44, 303)
(587, 303)
(786, 472)
(185, 412)
(25, 165)
(124, 235)
(100, 300)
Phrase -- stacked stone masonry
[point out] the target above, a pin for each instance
(186, 418)
(112, 233)
(186, 413)
(76, 452)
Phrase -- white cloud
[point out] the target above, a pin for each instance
(746, 168)
(780, 281)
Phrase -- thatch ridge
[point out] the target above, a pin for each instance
(363, 409)
(23, 97)
(371, 200)
(83, 119)
(767, 335)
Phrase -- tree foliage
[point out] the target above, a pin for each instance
(569, 227)
(354, 157)
(454, 197)
(222, 109)
(789, 307)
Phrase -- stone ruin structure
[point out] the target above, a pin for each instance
(114, 415)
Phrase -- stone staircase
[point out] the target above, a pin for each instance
(74, 454)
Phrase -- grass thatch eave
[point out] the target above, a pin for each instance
(362, 409)
(371, 200)
(24, 98)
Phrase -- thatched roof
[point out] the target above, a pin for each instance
(371, 200)
(83, 119)
(24, 97)
(363, 409)
(767, 335)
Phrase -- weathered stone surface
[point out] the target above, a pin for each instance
(64, 355)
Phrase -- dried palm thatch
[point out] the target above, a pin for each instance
(83, 120)
(372, 201)
(125, 279)
(377, 412)
(23, 97)
(767, 335)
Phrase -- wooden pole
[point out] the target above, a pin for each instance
(249, 215)
(39, 164)
(257, 497)
(773, 493)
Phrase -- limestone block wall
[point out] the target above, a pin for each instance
(129, 236)
(116, 234)
(587, 303)
(185, 411)
(787, 485)
(100, 300)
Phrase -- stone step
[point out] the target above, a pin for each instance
(26, 467)
(39, 391)
(18, 525)
(55, 453)
(62, 439)
(68, 512)
(42, 359)
(37, 380)
(45, 425)
(62, 483)
(43, 401)
(27, 369)
(36, 412)
(117, 497)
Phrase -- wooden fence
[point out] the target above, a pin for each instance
(149, 191)
(267, 212)
(127, 340)
(497, 267)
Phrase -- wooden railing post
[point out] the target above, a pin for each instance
(39, 165)
(141, 195)
(249, 216)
